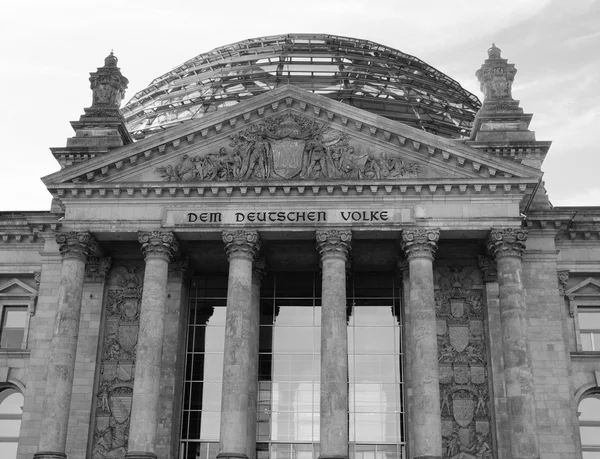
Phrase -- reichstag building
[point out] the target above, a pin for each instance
(298, 247)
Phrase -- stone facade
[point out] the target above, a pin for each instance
(491, 279)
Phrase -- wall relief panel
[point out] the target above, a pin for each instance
(285, 147)
(462, 356)
(115, 385)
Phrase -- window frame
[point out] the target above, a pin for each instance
(584, 306)
(25, 296)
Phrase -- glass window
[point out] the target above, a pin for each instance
(11, 410)
(589, 328)
(14, 319)
(589, 425)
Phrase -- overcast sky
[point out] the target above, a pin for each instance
(48, 48)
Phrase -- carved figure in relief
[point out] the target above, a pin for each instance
(480, 450)
(288, 147)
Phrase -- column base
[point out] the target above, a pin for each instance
(140, 455)
(231, 456)
(49, 455)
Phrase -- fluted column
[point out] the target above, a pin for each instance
(258, 273)
(242, 247)
(334, 246)
(507, 246)
(158, 248)
(419, 246)
(74, 249)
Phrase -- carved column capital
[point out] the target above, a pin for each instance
(178, 270)
(158, 244)
(241, 244)
(507, 242)
(420, 243)
(76, 245)
(334, 243)
(259, 270)
(96, 269)
(488, 267)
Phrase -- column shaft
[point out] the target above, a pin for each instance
(508, 246)
(253, 344)
(420, 246)
(74, 248)
(158, 249)
(240, 329)
(334, 246)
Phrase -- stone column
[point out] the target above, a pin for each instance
(257, 275)
(334, 246)
(507, 246)
(242, 248)
(158, 248)
(419, 246)
(74, 249)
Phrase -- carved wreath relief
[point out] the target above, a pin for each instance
(289, 147)
(464, 388)
(115, 388)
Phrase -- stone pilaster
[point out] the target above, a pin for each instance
(334, 247)
(420, 246)
(74, 248)
(239, 378)
(158, 248)
(258, 274)
(507, 246)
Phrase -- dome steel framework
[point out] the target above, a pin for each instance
(360, 73)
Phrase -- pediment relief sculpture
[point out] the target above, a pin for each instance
(287, 147)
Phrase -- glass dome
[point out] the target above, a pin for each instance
(357, 72)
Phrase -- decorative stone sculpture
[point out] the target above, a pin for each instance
(115, 387)
(285, 147)
(462, 355)
(108, 85)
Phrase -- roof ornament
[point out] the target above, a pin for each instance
(108, 87)
(494, 52)
(495, 77)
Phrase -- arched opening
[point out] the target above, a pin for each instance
(11, 411)
(589, 425)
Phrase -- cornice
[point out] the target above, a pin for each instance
(349, 119)
(573, 224)
(27, 227)
(492, 187)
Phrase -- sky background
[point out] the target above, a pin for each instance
(48, 49)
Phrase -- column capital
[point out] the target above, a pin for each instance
(335, 243)
(241, 244)
(158, 244)
(73, 244)
(507, 242)
(488, 267)
(96, 269)
(420, 242)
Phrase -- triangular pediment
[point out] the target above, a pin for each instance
(588, 288)
(15, 288)
(290, 137)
